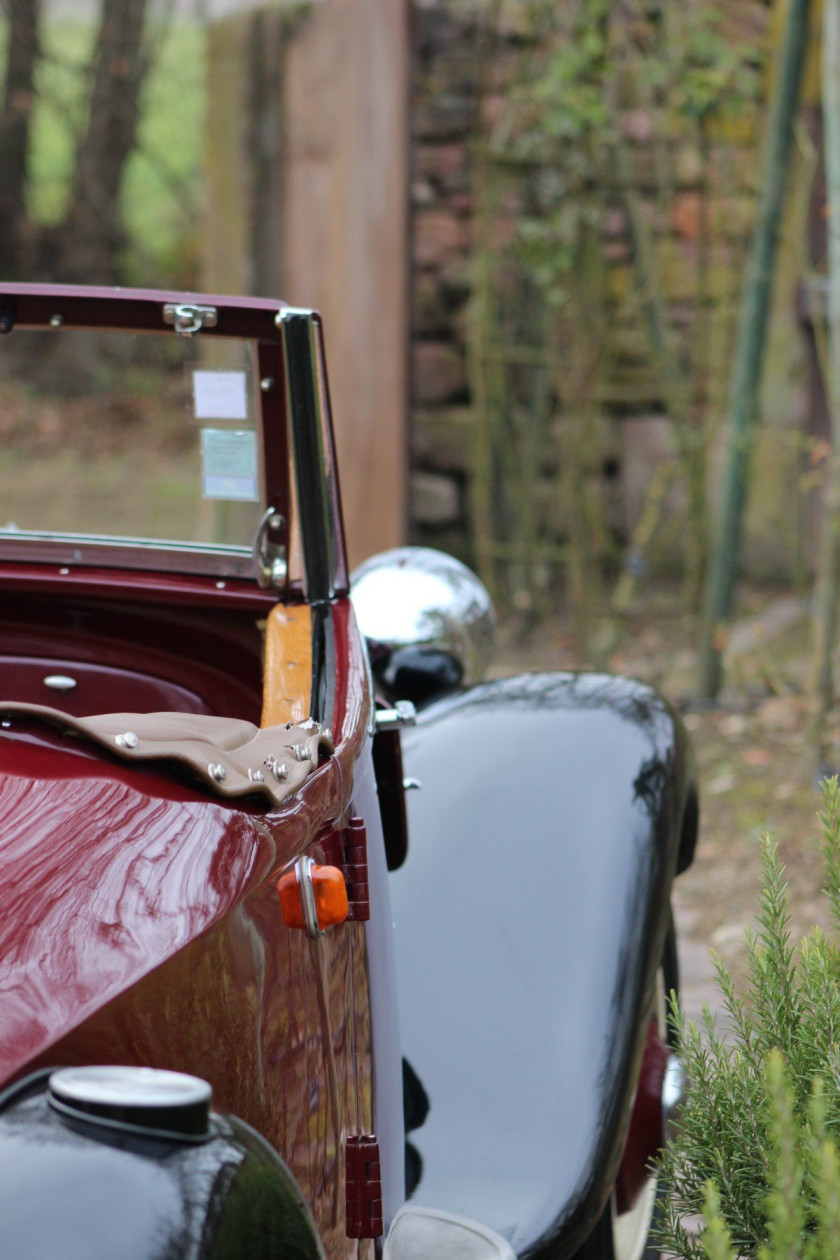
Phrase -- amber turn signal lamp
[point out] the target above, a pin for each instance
(312, 898)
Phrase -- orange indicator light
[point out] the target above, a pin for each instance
(329, 894)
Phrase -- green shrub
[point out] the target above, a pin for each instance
(755, 1156)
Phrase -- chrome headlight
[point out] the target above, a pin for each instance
(428, 619)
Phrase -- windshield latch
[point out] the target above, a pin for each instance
(187, 318)
(270, 558)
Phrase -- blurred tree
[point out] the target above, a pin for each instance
(16, 104)
(87, 243)
(90, 238)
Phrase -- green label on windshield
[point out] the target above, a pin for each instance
(229, 464)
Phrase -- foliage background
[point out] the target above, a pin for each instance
(160, 192)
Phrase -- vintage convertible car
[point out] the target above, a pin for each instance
(286, 972)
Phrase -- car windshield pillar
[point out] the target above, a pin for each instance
(307, 401)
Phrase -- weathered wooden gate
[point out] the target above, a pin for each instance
(307, 152)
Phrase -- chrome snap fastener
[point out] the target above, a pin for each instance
(60, 682)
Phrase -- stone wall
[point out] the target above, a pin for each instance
(444, 121)
(302, 199)
(446, 125)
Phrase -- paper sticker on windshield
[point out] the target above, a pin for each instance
(229, 464)
(220, 395)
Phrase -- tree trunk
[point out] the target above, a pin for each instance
(15, 117)
(91, 237)
(749, 353)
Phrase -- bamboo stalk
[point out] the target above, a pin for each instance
(675, 386)
(825, 620)
(749, 356)
(638, 552)
(519, 550)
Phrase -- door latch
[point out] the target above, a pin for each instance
(269, 557)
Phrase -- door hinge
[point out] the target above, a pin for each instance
(356, 870)
(364, 1187)
(346, 847)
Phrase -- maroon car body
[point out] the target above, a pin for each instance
(140, 923)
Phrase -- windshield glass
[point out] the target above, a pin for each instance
(140, 438)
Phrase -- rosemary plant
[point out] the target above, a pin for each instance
(755, 1159)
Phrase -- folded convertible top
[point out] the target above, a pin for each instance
(232, 758)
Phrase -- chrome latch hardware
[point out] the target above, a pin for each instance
(269, 558)
(187, 318)
(303, 870)
(403, 714)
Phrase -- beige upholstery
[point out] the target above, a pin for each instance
(232, 758)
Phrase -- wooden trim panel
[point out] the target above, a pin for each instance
(287, 673)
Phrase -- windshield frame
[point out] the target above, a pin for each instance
(31, 306)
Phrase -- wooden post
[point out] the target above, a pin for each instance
(335, 108)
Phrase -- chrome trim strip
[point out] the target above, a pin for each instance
(303, 402)
(125, 1127)
(212, 559)
(303, 870)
